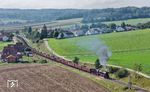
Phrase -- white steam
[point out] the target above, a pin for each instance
(98, 47)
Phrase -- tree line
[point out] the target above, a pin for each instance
(88, 15)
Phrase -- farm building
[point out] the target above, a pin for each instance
(120, 29)
(78, 33)
(11, 59)
(94, 31)
(65, 34)
(5, 36)
(12, 53)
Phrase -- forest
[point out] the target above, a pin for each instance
(88, 15)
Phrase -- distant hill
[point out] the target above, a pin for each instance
(89, 15)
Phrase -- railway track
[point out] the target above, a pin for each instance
(77, 66)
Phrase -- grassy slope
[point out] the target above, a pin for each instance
(130, 21)
(3, 44)
(135, 40)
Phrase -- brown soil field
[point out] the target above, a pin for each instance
(45, 78)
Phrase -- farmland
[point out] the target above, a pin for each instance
(57, 23)
(127, 48)
(130, 21)
(45, 78)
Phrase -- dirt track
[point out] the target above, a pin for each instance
(45, 78)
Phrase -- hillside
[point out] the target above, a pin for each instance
(3, 44)
(57, 23)
(130, 21)
(127, 48)
(19, 16)
(45, 78)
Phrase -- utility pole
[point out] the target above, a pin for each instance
(130, 82)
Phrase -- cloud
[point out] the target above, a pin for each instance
(72, 3)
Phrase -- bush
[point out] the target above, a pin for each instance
(43, 61)
(113, 69)
(125, 88)
(34, 61)
(76, 60)
(121, 73)
(97, 64)
(24, 61)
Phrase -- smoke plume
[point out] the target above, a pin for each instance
(98, 47)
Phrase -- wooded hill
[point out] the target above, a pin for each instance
(89, 15)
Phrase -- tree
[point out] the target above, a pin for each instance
(137, 68)
(84, 27)
(97, 64)
(123, 25)
(44, 32)
(76, 60)
(30, 30)
(62, 35)
(112, 26)
(52, 34)
(121, 73)
(17, 32)
(56, 33)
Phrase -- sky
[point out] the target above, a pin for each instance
(79, 4)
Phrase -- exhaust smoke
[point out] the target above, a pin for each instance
(96, 46)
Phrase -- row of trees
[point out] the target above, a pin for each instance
(88, 15)
(35, 35)
(143, 25)
(111, 14)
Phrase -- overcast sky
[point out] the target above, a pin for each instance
(38, 4)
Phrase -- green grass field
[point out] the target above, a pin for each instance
(130, 21)
(3, 44)
(127, 48)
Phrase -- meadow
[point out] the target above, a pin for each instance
(128, 48)
(130, 21)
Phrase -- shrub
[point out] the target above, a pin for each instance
(97, 64)
(34, 61)
(76, 60)
(24, 61)
(113, 69)
(121, 73)
(125, 88)
(43, 61)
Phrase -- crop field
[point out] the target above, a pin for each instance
(12, 20)
(57, 23)
(3, 44)
(130, 21)
(45, 78)
(128, 48)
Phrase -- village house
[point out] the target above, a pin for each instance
(65, 34)
(119, 29)
(94, 31)
(78, 33)
(128, 28)
(12, 53)
(5, 36)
